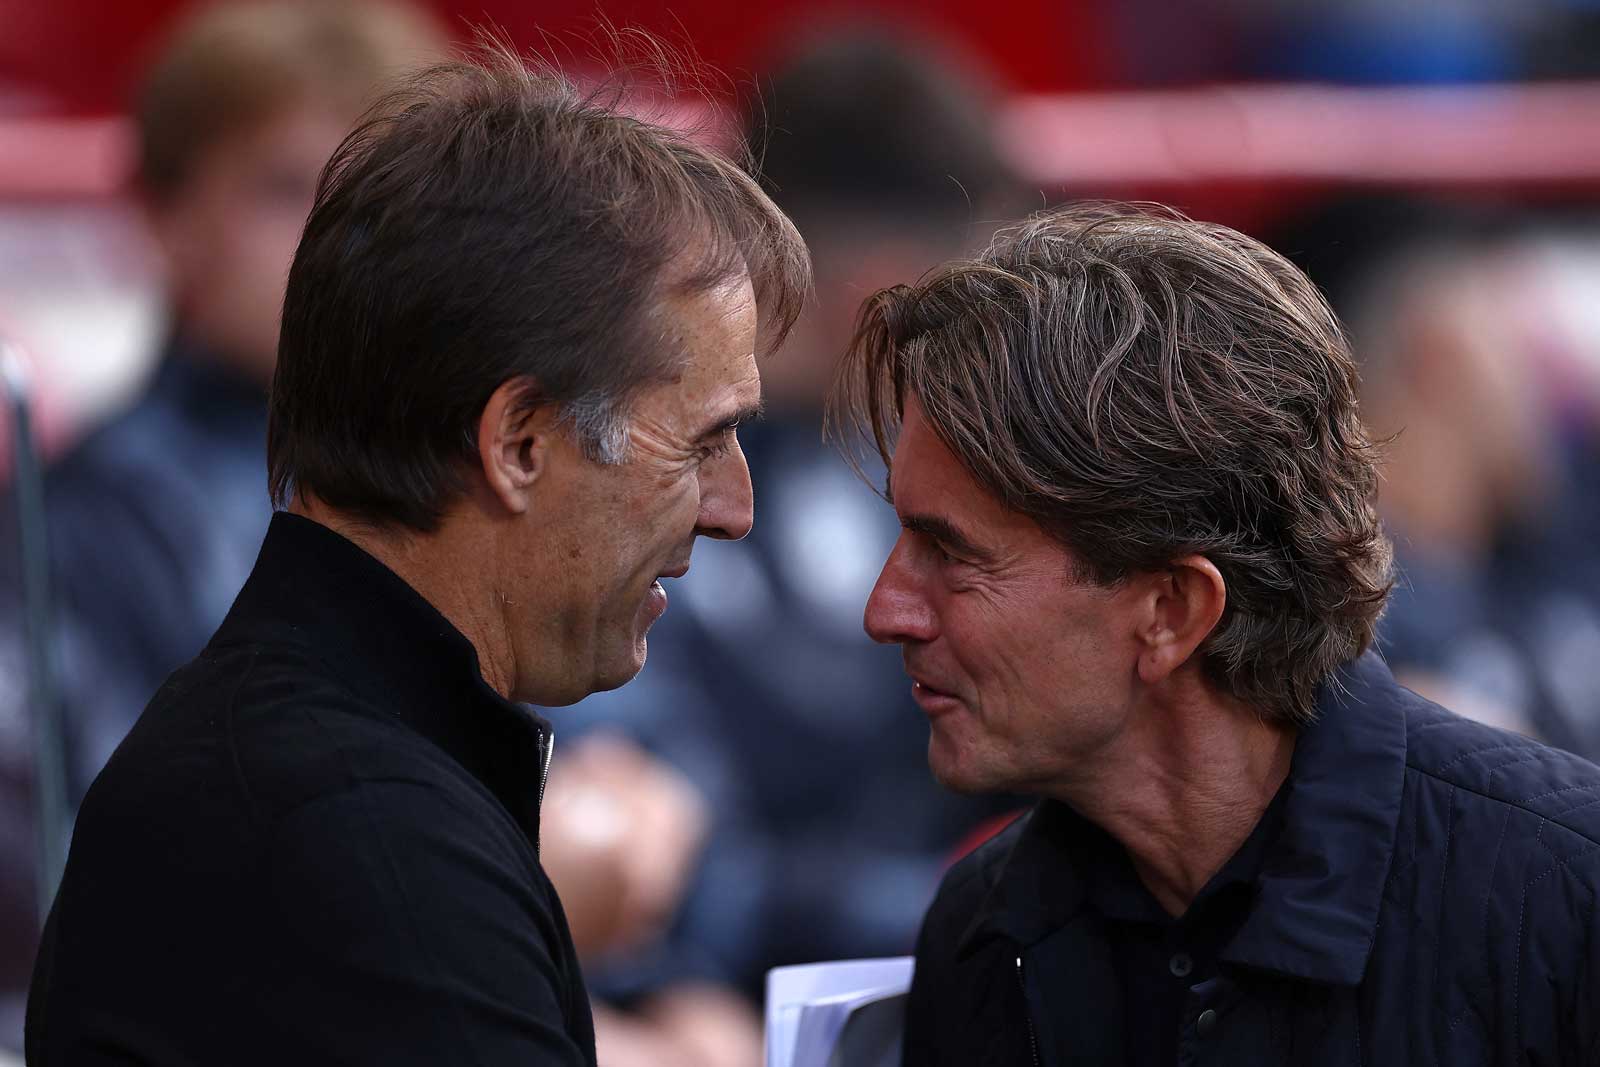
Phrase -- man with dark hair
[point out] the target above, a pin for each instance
(519, 335)
(1138, 577)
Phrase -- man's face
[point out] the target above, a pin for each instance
(1026, 674)
(621, 527)
(230, 230)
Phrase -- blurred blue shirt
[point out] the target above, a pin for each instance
(1517, 634)
(154, 521)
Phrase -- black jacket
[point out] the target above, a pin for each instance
(318, 845)
(1429, 899)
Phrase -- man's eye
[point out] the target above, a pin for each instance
(722, 446)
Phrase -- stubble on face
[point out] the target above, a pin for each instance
(991, 613)
(629, 524)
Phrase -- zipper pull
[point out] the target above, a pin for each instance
(547, 752)
(1022, 987)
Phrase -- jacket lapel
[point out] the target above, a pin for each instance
(1319, 894)
(1322, 882)
(1074, 997)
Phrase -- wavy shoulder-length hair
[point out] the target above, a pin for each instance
(1146, 386)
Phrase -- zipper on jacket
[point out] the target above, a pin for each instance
(547, 745)
(1033, 1040)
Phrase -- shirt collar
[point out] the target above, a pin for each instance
(318, 591)
(1115, 891)
(1321, 880)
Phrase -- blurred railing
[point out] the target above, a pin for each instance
(69, 158)
(1508, 133)
(1497, 133)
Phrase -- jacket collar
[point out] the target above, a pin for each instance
(315, 590)
(1322, 879)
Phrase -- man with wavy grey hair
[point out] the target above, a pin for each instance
(1138, 578)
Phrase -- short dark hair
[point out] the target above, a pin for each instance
(872, 123)
(491, 222)
(235, 66)
(1144, 387)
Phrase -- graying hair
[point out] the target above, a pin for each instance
(600, 421)
(534, 227)
(1145, 387)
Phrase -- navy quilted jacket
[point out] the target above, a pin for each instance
(1430, 899)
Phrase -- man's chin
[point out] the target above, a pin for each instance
(952, 773)
(625, 670)
(963, 762)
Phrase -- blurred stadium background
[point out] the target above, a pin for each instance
(1434, 165)
(1242, 111)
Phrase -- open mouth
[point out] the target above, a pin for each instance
(934, 702)
(656, 597)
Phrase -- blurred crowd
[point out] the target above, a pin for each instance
(759, 795)
(1476, 331)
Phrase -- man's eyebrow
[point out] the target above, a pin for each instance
(946, 533)
(745, 414)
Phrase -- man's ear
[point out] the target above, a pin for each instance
(1179, 608)
(514, 436)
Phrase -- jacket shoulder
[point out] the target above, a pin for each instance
(269, 726)
(1505, 769)
(968, 882)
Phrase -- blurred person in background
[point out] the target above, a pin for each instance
(1497, 608)
(827, 838)
(155, 518)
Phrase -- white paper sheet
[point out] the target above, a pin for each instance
(808, 1005)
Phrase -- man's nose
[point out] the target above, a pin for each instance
(727, 500)
(897, 610)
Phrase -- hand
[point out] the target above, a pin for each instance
(625, 1040)
(713, 1025)
(620, 832)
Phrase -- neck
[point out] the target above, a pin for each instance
(431, 564)
(1185, 787)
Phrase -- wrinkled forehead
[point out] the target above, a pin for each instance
(925, 474)
(934, 494)
(712, 329)
(712, 334)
